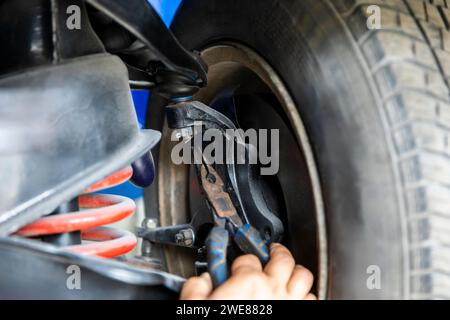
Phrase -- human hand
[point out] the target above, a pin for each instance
(279, 279)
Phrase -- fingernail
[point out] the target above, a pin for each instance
(274, 245)
(205, 275)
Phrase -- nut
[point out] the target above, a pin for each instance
(185, 237)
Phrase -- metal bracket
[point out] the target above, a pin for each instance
(179, 235)
(242, 178)
(158, 53)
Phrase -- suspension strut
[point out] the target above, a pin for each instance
(98, 210)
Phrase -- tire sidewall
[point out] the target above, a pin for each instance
(307, 45)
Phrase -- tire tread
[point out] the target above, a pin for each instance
(409, 58)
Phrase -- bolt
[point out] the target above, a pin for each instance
(149, 223)
(185, 237)
(146, 248)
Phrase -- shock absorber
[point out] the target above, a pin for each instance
(97, 210)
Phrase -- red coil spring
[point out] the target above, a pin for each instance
(99, 210)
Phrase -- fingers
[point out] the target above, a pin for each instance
(238, 287)
(197, 288)
(300, 283)
(280, 279)
(247, 280)
(310, 296)
(281, 264)
(245, 284)
(246, 264)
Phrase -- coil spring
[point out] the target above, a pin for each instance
(98, 210)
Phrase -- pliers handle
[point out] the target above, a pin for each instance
(216, 255)
(225, 215)
(248, 240)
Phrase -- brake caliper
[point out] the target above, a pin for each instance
(251, 225)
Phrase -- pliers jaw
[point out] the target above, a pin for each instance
(228, 225)
(223, 209)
